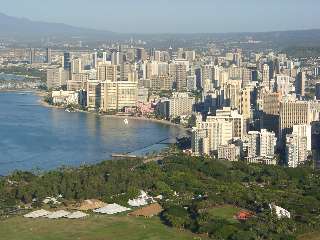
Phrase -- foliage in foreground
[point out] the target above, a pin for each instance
(192, 188)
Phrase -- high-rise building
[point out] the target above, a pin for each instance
(107, 72)
(300, 84)
(245, 103)
(115, 58)
(268, 143)
(141, 54)
(270, 112)
(179, 104)
(93, 94)
(265, 73)
(296, 150)
(220, 132)
(56, 77)
(181, 77)
(76, 65)
(116, 95)
(104, 57)
(225, 126)
(317, 91)
(315, 143)
(157, 56)
(261, 144)
(151, 69)
(67, 61)
(303, 130)
(94, 59)
(253, 138)
(246, 77)
(48, 56)
(293, 113)
(32, 55)
(200, 141)
(232, 91)
(125, 70)
(190, 55)
(283, 84)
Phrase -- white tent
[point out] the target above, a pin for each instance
(51, 199)
(280, 212)
(76, 215)
(142, 200)
(37, 214)
(111, 209)
(58, 214)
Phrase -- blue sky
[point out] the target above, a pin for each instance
(172, 16)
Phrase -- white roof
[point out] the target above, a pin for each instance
(142, 200)
(37, 214)
(111, 209)
(280, 212)
(138, 202)
(77, 214)
(58, 214)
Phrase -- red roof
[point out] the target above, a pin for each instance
(244, 215)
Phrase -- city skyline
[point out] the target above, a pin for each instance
(173, 17)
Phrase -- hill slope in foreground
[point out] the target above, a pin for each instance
(92, 228)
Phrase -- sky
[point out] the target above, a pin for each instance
(172, 16)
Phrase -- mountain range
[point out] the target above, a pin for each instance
(25, 29)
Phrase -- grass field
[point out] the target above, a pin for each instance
(226, 212)
(310, 236)
(95, 227)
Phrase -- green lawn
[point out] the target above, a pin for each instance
(310, 236)
(95, 227)
(226, 212)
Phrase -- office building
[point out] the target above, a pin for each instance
(300, 84)
(296, 150)
(56, 77)
(179, 104)
(48, 56)
(107, 72)
(67, 61)
(261, 144)
(317, 91)
(292, 113)
(181, 77)
(93, 94)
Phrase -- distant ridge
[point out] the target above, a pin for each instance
(25, 28)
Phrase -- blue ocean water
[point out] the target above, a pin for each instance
(33, 137)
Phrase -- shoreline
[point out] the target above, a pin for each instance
(41, 94)
(45, 104)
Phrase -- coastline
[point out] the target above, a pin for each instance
(145, 119)
(41, 94)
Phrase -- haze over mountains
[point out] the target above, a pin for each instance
(25, 29)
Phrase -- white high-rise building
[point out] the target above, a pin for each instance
(303, 130)
(261, 143)
(76, 65)
(221, 129)
(296, 150)
(268, 142)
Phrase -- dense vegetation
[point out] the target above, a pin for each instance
(303, 51)
(192, 189)
(26, 71)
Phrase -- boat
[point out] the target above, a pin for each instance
(126, 122)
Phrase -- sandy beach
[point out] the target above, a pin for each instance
(42, 94)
